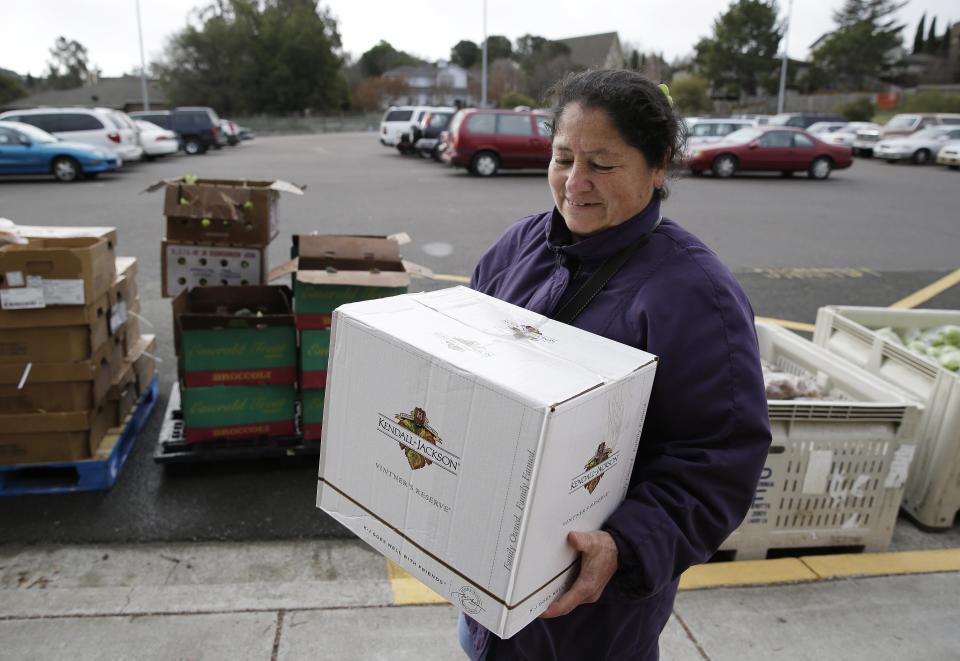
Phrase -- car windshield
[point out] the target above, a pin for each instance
(742, 136)
(35, 134)
(901, 122)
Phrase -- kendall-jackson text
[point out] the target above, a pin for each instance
(445, 460)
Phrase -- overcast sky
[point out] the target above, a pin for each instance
(428, 28)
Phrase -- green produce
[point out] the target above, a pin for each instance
(940, 344)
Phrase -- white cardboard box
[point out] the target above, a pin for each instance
(464, 437)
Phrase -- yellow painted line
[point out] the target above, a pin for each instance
(409, 591)
(452, 278)
(884, 564)
(928, 292)
(792, 325)
(746, 572)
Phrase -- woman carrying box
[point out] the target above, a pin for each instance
(605, 260)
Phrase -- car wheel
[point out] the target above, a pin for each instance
(786, 174)
(725, 166)
(891, 160)
(921, 157)
(192, 146)
(65, 168)
(485, 164)
(954, 167)
(696, 173)
(820, 168)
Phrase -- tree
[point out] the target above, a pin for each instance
(70, 66)
(498, 47)
(933, 44)
(859, 110)
(691, 95)
(257, 56)
(853, 56)
(514, 99)
(466, 54)
(918, 44)
(384, 57)
(635, 60)
(374, 93)
(10, 88)
(741, 56)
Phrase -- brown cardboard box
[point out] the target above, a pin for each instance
(123, 394)
(29, 438)
(185, 265)
(223, 211)
(48, 272)
(54, 232)
(59, 387)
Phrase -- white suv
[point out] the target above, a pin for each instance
(399, 120)
(101, 127)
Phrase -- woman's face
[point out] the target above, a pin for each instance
(597, 179)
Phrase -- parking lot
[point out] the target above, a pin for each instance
(870, 235)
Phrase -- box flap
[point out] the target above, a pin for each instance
(287, 187)
(318, 251)
(278, 272)
(356, 278)
(541, 361)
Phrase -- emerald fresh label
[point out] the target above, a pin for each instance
(239, 348)
(311, 299)
(313, 405)
(237, 405)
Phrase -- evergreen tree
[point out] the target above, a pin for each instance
(932, 42)
(918, 42)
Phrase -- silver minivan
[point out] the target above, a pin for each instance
(100, 127)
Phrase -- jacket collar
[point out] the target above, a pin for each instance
(606, 243)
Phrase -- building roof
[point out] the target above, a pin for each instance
(121, 93)
(591, 50)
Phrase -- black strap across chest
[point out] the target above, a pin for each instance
(596, 282)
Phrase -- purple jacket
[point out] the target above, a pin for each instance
(706, 433)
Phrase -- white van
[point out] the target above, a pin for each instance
(702, 132)
(399, 120)
(100, 127)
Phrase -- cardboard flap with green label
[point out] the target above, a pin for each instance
(55, 271)
(231, 211)
(333, 270)
(235, 336)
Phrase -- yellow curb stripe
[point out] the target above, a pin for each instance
(746, 572)
(409, 591)
(928, 292)
(452, 278)
(792, 325)
(884, 564)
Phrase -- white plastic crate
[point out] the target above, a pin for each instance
(932, 495)
(836, 469)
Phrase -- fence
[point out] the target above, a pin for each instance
(272, 125)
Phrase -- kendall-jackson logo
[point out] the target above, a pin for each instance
(603, 460)
(418, 440)
(469, 600)
(528, 332)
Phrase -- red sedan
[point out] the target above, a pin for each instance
(773, 148)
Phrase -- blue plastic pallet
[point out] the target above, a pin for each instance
(86, 475)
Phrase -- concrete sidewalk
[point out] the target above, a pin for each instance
(338, 600)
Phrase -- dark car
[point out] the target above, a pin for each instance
(770, 148)
(198, 127)
(485, 141)
(803, 120)
(424, 138)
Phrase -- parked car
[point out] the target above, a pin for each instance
(197, 126)
(245, 134)
(424, 138)
(156, 141)
(707, 131)
(821, 129)
(847, 134)
(26, 149)
(759, 120)
(802, 120)
(770, 148)
(949, 155)
(900, 125)
(99, 127)
(229, 131)
(397, 120)
(919, 148)
(486, 141)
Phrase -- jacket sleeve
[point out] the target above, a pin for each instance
(707, 431)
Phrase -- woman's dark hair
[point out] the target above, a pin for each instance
(638, 108)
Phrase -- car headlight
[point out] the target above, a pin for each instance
(696, 154)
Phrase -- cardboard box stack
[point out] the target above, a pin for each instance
(465, 437)
(218, 230)
(72, 360)
(237, 358)
(331, 271)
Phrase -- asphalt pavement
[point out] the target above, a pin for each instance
(870, 235)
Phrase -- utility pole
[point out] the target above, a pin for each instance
(783, 60)
(143, 65)
(483, 83)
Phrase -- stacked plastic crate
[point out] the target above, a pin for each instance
(73, 363)
(932, 495)
(838, 464)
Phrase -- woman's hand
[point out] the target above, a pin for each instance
(598, 562)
